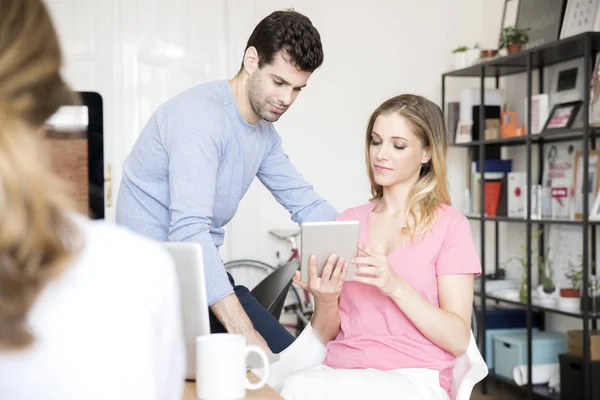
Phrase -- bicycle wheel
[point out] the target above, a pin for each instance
(248, 272)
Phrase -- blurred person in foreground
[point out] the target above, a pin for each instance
(87, 310)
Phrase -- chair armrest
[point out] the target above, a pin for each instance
(470, 368)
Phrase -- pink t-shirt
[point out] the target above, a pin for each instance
(374, 332)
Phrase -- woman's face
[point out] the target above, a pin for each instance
(396, 153)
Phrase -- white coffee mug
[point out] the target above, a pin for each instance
(221, 366)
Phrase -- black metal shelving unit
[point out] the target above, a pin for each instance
(526, 62)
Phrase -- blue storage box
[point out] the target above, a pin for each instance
(505, 318)
(510, 350)
(490, 334)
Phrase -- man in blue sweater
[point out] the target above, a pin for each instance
(198, 154)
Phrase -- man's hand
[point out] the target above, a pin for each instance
(235, 320)
(253, 337)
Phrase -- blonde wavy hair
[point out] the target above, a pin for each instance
(431, 189)
(36, 237)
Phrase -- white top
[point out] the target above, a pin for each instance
(108, 328)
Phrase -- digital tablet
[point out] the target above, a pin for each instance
(326, 238)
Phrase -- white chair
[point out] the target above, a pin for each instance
(469, 369)
(307, 351)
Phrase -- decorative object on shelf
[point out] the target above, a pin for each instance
(536, 202)
(452, 118)
(495, 186)
(517, 182)
(465, 56)
(595, 95)
(569, 296)
(546, 273)
(488, 53)
(546, 299)
(567, 82)
(539, 112)
(492, 114)
(463, 132)
(557, 180)
(509, 16)
(466, 202)
(470, 97)
(512, 39)
(580, 16)
(546, 292)
(522, 260)
(562, 115)
(509, 126)
(593, 181)
(595, 208)
(542, 19)
(593, 294)
(492, 129)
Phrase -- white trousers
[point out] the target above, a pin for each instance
(323, 382)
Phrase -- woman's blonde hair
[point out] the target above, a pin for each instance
(36, 237)
(431, 190)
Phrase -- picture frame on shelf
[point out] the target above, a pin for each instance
(542, 19)
(539, 112)
(464, 132)
(594, 116)
(580, 16)
(593, 179)
(567, 82)
(595, 208)
(562, 115)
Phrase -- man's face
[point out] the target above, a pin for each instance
(273, 88)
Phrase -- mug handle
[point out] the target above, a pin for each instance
(254, 386)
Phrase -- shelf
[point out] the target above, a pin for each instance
(530, 64)
(478, 217)
(537, 307)
(555, 135)
(542, 56)
(540, 391)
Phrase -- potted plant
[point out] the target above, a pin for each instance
(465, 56)
(546, 274)
(546, 291)
(574, 275)
(522, 259)
(593, 296)
(513, 38)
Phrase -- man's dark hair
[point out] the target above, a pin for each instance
(290, 31)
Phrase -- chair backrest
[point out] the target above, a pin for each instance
(475, 324)
(272, 290)
(469, 369)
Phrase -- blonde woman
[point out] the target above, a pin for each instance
(396, 330)
(87, 310)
